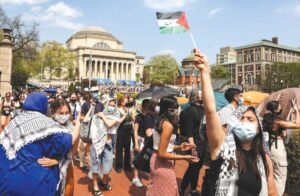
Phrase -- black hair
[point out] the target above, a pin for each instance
(58, 103)
(166, 104)
(272, 106)
(230, 93)
(145, 104)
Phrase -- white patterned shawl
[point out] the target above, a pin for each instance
(26, 128)
(99, 132)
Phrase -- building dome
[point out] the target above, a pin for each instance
(93, 31)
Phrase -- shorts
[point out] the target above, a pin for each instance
(103, 163)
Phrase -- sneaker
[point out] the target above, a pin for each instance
(137, 182)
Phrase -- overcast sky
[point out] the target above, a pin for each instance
(214, 23)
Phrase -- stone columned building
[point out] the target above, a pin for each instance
(100, 55)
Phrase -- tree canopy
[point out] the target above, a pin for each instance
(282, 75)
(161, 69)
(219, 72)
(55, 57)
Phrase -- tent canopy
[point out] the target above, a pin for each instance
(254, 97)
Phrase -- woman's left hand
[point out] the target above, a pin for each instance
(47, 162)
(186, 146)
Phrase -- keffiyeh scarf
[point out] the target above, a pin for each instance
(226, 184)
(26, 128)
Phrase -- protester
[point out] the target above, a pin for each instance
(124, 134)
(140, 127)
(235, 98)
(276, 128)
(74, 106)
(193, 122)
(61, 113)
(102, 154)
(162, 175)
(29, 137)
(246, 168)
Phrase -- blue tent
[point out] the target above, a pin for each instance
(220, 99)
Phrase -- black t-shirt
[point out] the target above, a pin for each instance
(86, 106)
(193, 118)
(248, 184)
(145, 122)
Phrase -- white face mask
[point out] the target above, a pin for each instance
(62, 119)
(157, 109)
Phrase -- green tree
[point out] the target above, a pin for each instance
(1, 35)
(161, 69)
(20, 74)
(281, 75)
(219, 72)
(58, 60)
(25, 39)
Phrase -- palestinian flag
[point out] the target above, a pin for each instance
(173, 22)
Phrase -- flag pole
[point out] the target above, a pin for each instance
(193, 40)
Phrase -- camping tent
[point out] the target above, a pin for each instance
(254, 97)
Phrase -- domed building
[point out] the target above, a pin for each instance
(109, 62)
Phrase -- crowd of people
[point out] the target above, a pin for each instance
(42, 135)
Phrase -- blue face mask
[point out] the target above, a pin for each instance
(245, 131)
(95, 96)
(111, 109)
(241, 102)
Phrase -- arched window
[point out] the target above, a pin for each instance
(101, 45)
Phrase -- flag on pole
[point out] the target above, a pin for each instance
(173, 22)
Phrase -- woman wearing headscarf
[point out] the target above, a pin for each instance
(246, 167)
(276, 129)
(28, 137)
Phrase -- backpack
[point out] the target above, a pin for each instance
(85, 126)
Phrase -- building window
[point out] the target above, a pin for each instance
(267, 57)
(257, 56)
(258, 67)
(248, 57)
(101, 45)
(273, 57)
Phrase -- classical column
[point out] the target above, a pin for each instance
(117, 71)
(122, 71)
(101, 69)
(106, 71)
(96, 69)
(127, 71)
(112, 75)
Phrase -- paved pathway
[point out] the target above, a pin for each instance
(121, 183)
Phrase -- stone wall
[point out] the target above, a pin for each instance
(5, 62)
